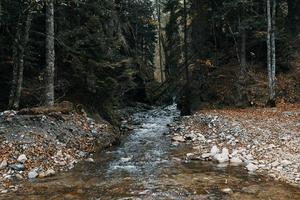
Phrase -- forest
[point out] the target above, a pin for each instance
(123, 50)
(77, 76)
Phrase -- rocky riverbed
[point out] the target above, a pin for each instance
(40, 142)
(262, 140)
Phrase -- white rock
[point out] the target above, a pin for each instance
(236, 161)
(59, 153)
(251, 167)
(32, 174)
(6, 176)
(178, 138)
(214, 150)
(234, 153)
(275, 164)
(227, 191)
(190, 155)
(225, 151)
(90, 160)
(22, 158)
(201, 137)
(221, 158)
(271, 146)
(3, 164)
(248, 157)
(19, 176)
(49, 172)
(263, 166)
(286, 163)
(206, 155)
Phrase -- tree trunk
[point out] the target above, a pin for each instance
(186, 110)
(22, 37)
(269, 61)
(273, 43)
(271, 18)
(159, 40)
(185, 44)
(0, 13)
(243, 52)
(293, 18)
(50, 53)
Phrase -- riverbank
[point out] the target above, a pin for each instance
(264, 140)
(40, 142)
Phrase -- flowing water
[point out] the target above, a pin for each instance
(147, 166)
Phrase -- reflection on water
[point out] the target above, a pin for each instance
(147, 166)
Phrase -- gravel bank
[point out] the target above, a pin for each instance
(262, 140)
(41, 142)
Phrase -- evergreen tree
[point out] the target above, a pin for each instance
(173, 40)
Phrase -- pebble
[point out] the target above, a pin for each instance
(275, 164)
(222, 157)
(190, 136)
(19, 176)
(42, 175)
(92, 160)
(3, 164)
(32, 174)
(214, 150)
(17, 167)
(236, 161)
(49, 172)
(227, 190)
(190, 155)
(22, 158)
(251, 167)
(82, 154)
(253, 189)
(286, 163)
(206, 155)
(178, 138)
(7, 176)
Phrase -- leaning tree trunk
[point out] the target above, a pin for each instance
(50, 53)
(22, 37)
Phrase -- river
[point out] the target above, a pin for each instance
(147, 166)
